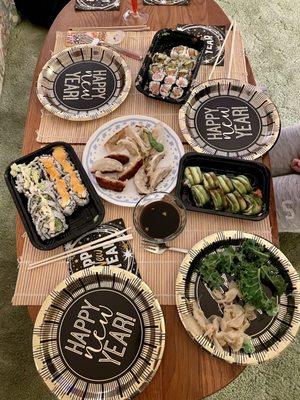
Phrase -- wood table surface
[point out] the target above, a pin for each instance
(187, 372)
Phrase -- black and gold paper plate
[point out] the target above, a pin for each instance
(270, 335)
(99, 334)
(84, 82)
(230, 118)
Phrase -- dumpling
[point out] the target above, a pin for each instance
(109, 182)
(159, 175)
(130, 145)
(131, 169)
(107, 165)
(153, 162)
(140, 181)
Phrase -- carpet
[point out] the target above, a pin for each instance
(271, 37)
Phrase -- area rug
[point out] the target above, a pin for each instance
(271, 33)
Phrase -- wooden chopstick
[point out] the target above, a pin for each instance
(84, 247)
(110, 28)
(221, 50)
(231, 50)
(62, 256)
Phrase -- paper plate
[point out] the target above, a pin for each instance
(230, 118)
(84, 82)
(99, 334)
(94, 149)
(214, 37)
(270, 335)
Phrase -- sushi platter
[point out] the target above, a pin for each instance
(54, 196)
(101, 331)
(170, 66)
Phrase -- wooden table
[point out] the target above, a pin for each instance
(187, 372)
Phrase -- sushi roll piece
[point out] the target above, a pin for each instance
(155, 67)
(245, 181)
(159, 57)
(200, 195)
(210, 181)
(154, 87)
(189, 64)
(218, 198)
(179, 52)
(171, 71)
(233, 204)
(158, 76)
(193, 53)
(176, 93)
(78, 190)
(170, 80)
(49, 223)
(182, 82)
(183, 72)
(193, 176)
(225, 184)
(26, 177)
(165, 90)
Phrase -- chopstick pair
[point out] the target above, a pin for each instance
(101, 242)
(132, 28)
(232, 27)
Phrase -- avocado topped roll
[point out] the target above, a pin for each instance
(210, 181)
(193, 175)
(200, 195)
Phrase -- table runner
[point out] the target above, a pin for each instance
(159, 272)
(53, 128)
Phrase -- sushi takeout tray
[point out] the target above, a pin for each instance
(163, 41)
(257, 173)
(82, 220)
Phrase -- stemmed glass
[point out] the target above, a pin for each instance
(135, 17)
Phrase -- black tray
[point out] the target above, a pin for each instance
(163, 41)
(83, 219)
(258, 174)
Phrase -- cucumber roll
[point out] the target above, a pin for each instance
(239, 186)
(210, 181)
(200, 195)
(225, 184)
(218, 199)
(193, 175)
(233, 204)
(245, 181)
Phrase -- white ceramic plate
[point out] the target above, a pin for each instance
(94, 149)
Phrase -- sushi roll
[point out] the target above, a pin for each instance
(67, 204)
(154, 87)
(165, 90)
(171, 71)
(179, 52)
(155, 67)
(193, 176)
(170, 80)
(75, 185)
(176, 93)
(159, 57)
(158, 76)
(182, 82)
(26, 177)
(183, 72)
(77, 188)
(193, 53)
(50, 223)
(189, 64)
(200, 195)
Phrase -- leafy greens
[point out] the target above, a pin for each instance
(250, 265)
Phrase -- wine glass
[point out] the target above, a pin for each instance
(135, 17)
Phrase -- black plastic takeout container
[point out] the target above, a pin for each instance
(258, 174)
(163, 41)
(83, 219)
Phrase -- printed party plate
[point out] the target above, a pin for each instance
(230, 118)
(214, 38)
(99, 334)
(118, 254)
(96, 148)
(84, 82)
(238, 296)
